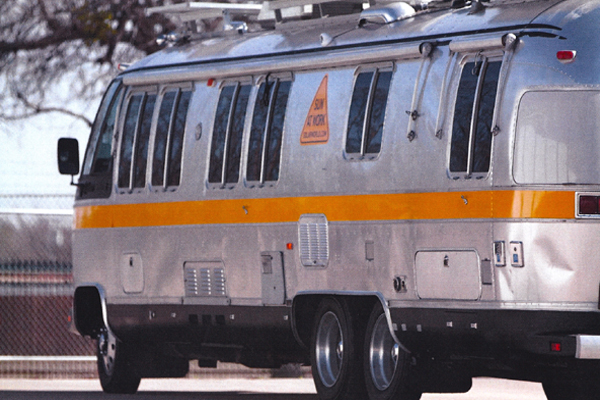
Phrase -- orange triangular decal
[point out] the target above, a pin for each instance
(316, 126)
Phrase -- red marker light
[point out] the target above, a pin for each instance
(289, 246)
(210, 82)
(566, 56)
(556, 347)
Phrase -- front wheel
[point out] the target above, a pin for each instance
(336, 354)
(115, 368)
(387, 365)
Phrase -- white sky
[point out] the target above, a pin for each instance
(28, 152)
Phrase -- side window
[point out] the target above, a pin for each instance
(168, 141)
(470, 148)
(266, 134)
(367, 113)
(226, 148)
(141, 143)
(134, 141)
(98, 156)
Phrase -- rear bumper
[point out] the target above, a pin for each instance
(499, 333)
(587, 347)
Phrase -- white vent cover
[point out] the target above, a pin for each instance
(313, 233)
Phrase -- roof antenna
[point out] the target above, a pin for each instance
(476, 7)
(229, 25)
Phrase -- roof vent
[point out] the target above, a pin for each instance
(386, 14)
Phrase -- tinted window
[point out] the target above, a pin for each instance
(461, 128)
(162, 134)
(227, 134)
(98, 157)
(141, 143)
(129, 129)
(267, 127)
(483, 134)
(358, 110)
(470, 147)
(375, 132)
(176, 139)
(168, 142)
(217, 152)
(273, 155)
(259, 122)
(367, 112)
(234, 150)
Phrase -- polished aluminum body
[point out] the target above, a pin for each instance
(401, 226)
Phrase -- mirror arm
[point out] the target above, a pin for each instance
(79, 185)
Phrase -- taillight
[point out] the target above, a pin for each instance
(566, 56)
(589, 205)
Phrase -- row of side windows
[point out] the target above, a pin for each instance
(266, 132)
(471, 138)
(172, 107)
(470, 143)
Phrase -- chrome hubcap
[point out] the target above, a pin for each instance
(384, 354)
(107, 347)
(329, 349)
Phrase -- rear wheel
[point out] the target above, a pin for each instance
(336, 353)
(386, 365)
(115, 369)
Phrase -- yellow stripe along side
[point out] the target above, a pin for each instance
(489, 204)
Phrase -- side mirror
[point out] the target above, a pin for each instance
(68, 156)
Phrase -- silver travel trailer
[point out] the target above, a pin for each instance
(403, 196)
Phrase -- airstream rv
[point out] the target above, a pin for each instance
(402, 195)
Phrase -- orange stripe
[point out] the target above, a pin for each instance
(505, 204)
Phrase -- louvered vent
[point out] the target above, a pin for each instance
(202, 281)
(313, 232)
(191, 282)
(219, 282)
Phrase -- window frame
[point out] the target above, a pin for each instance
(238, 84)
(91, 152)
(179, 90)
(145, 91)
(274, 79)
(485, 57)
(376, 69)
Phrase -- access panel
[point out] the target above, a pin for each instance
(450, 275)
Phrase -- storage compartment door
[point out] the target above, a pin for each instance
(450, 275)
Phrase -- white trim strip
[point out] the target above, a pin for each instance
(36, 211)
(47, 358)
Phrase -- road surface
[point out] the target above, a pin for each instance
(237, 389)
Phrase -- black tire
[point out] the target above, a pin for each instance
(387, 367)
(336, 353)
(577, 389)
(115, 368)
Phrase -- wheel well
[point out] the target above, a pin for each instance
(87, 310)
(305, 307)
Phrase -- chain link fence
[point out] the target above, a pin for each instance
(36, 288)
(36, 285)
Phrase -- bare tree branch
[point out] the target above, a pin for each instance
(46, 110)
(43, 41)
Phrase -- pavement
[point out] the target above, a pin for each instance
(240, 389)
